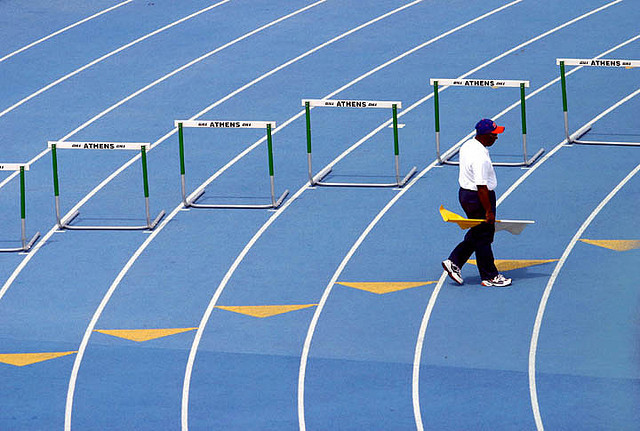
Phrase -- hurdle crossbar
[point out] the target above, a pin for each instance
(101, 146)
(268, 125)
(574, 138)
(491, 83)
(317, 179)
(26, 245)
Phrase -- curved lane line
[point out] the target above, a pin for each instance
(329, 287)
(48, 235)
(134, 257)
(239, 259)
(69, 27)
(436, 291)
(295, 196)
(556, 271)
(164, 78)
(93, 63)
(110, 54)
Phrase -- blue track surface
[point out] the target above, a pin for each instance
(557, 350)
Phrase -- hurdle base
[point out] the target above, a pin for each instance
(575, 139)
(318, 178)
(192, 203)
(616, 143)
(407, 177)
(579, 134)
(64, 224)
(150, 226)
(526, 164)
(23, 249)
(401, 183)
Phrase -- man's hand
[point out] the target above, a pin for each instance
(483, 195)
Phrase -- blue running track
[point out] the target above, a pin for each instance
(332, 311)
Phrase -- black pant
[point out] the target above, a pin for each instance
(479, 238)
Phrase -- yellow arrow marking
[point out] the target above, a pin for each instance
(508, 265)
(382, 287)
(140, 335)
(614, 244)
(262, 311)
(22, 359)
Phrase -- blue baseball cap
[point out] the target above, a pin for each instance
(486, 126)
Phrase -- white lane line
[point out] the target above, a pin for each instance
(76, 207)
(547, 291)
(320, 307)
(436, 291)
(164, 78)
(93, 63)
(110, 54)
(69, 27)
(417, 357)
(259, 233)
(134, 257)
(224, 282)
(131, 261)
(414, 2)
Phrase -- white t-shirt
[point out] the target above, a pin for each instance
(475, 166)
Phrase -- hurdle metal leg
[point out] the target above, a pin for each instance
(26, 246)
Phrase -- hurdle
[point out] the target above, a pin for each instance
(591, 62)
(101, 146)
(317, 179)
(492, 83)
(268, 125)
(26, 246)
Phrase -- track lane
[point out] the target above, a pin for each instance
(210, 107)
(62, 30)
(80, 255)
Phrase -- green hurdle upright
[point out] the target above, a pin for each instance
(101, 146)
(491, 83)
(26, 246)
(360, 104)
(590, 62)
(190, 201)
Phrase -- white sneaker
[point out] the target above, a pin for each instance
(497, 281)
(453, 271)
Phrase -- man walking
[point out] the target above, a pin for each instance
(478, 199)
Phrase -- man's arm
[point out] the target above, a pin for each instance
(483, 194)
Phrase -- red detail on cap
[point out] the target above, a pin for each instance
(498, 129)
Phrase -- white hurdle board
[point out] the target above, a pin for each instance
(68, 145)
(468, 82)
(225, 124)
(598, 62)
(13, 166)
(351, 103)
